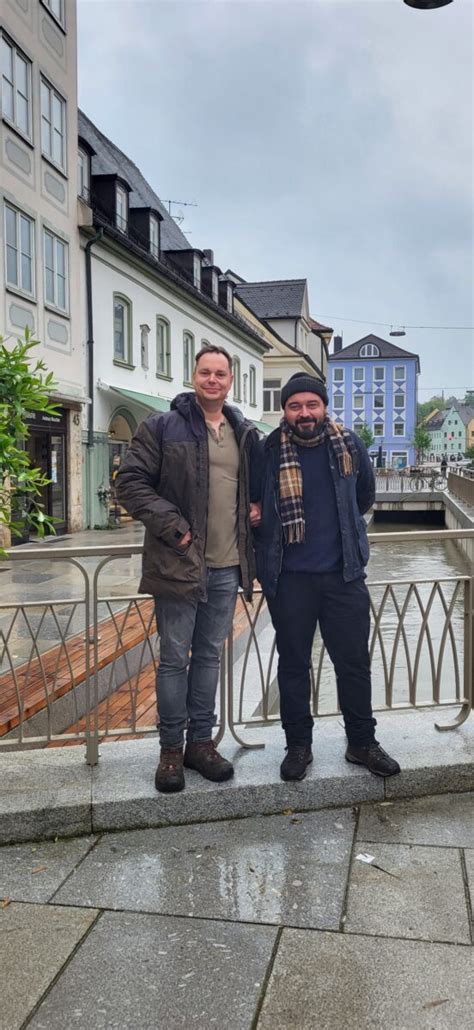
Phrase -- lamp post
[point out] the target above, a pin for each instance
(427, 5)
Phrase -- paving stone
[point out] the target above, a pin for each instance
(417, 893)
(329, 981)
(34, 871)
(469, 857)
(274, 869)
(152, 972)
(44, 794)
(124, 795)
(446, 819)
(431, 762)
(35, 941)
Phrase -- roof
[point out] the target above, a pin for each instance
(436, 422)
(465, 412)
(107, 159)
(318, 328)
(387, 350)
(279, 298)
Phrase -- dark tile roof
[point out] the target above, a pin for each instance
(436, 422)
(387, 350)
(108, 160)
(317, 327)
(465, 412)
(281, 298)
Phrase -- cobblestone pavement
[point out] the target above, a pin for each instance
(357, 917)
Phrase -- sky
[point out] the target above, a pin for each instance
(325, 139)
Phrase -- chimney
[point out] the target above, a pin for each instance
(337, 344)
(209, 256)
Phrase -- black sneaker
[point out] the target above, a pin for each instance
(297, 758)
(374, 758)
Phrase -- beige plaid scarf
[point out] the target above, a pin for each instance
(291, 479)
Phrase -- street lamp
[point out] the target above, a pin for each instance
(427, 5)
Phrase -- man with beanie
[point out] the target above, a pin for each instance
(311, 548)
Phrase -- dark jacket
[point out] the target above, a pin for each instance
(354, 496)
(164, 482)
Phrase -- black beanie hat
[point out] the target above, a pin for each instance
(302, 383)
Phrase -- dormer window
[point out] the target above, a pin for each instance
(369, 350)
(197, 271)
(154, 237)
(84, 175)
(230, 298)
(121, 208)
(215, 287)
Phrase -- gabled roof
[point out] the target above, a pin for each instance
(280, 298)
(436, 422)
(387, 350)
(465, 412)
(107, 159)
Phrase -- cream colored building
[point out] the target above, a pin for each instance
(40, 252)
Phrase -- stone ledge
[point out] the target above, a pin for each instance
(49, 793)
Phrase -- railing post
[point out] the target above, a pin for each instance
(468, 678)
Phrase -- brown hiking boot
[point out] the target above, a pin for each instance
(169, 777)
(203, 756)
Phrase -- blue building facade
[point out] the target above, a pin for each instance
(373, 382)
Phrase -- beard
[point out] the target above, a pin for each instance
(307, 429)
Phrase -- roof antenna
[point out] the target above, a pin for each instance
(179, 217)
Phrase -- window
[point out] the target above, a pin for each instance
(237, 394)
(245, 381)
(215, 287)
(358, 375)
(57, 9)
(16, 88)
(338, 401)
(338, 375)
(163, 347)
(121, 208)
(55, 271)
(399, 459)
(53, 125)
(253, 385)
(144, 331)
(197, 271)
(83, 175)
(399, 429)
(154, 236)
(122, 329)
(379, 401)
(378, 428)
(399, 372)
(272, 394)
(230, 298)
(188, 357)
(369, 350)
(399, 400)
(379, 374)
(19, 250)
(358, 401)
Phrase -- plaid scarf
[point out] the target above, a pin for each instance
(291, 479)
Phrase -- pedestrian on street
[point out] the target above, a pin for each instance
(317, 482)
(186, 476)
(443, 466)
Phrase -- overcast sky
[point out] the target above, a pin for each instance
(330, 139)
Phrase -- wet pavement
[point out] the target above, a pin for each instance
(357, 915)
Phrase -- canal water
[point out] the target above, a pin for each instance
(438, 651)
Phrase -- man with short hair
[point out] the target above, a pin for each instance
(186, 476)
(317, 483)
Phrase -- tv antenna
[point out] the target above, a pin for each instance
(179, 203)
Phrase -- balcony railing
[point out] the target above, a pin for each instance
(82, 668)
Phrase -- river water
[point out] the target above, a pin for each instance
(435, 560)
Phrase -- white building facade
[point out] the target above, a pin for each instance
(40, 251)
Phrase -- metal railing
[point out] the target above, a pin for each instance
(461, 484)
(81, 669)
(409, 480)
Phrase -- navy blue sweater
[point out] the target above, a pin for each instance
(322, 548)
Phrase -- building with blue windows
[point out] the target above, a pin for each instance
(373, 382)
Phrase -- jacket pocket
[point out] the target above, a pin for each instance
(170, 563)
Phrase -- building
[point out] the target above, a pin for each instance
(453, 432)
(280, 309)
(40, 252)
(374, 383)
(151, 301)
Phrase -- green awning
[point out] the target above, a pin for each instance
(263, 427)
(146, 400)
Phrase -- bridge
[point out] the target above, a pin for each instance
(422, 489)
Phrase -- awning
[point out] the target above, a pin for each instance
(152, 402)
(263, 427)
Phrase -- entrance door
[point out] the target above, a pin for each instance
(47, 451)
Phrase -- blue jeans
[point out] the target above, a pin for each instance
(186, 687)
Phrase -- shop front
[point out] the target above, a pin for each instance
(47, 450)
